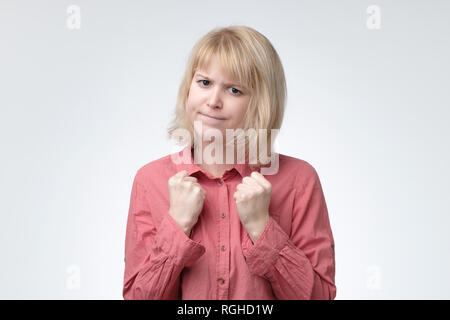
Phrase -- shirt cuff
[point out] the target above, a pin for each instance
(171, 241)
(263, 254)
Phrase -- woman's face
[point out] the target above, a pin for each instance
(216, 100)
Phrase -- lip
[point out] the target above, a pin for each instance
(212, 117)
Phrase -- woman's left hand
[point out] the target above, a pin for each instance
(252, 199)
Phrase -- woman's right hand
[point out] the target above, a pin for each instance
(186, 200)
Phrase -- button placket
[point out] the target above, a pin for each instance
(223, 241)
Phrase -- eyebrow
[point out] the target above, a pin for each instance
(228, 84)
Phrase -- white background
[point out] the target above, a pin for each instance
(82, 110)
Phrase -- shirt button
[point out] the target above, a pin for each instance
(223, 215)
(219, 182)
(221, 281)
(223, 248)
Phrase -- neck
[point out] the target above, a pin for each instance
(210, 160)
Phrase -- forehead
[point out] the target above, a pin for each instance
(213, 68)
(226, 69)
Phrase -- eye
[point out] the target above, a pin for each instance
(236, 92)
(202, 82)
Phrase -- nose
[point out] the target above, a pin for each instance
(214, 100)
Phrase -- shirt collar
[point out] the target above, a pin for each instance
(244, 169)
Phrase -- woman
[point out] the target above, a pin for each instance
(251, 229)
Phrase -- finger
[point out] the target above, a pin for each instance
(190, 183)
(189, 178)
(198, 185)
(243, 191)
(180, 175)
(202, 190)
(239, 195)
(261, 180)
(251, 182)
(242, 186)
(176, 178)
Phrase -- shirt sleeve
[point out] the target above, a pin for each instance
(300, 266)
(154, 255)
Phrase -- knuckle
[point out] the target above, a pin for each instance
(186, 183)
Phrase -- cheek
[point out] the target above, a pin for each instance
(191, 101)
(194, 97)
(240, 111)
(189, 106)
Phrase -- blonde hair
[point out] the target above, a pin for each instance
(249, 57)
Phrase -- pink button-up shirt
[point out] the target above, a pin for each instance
(293, 258)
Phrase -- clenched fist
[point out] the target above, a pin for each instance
(252, 198)
(186, 200)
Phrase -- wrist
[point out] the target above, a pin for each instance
(256, 228)
(185, 227)
(187, 232)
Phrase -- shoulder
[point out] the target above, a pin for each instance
(156, 171)
(300, 171)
